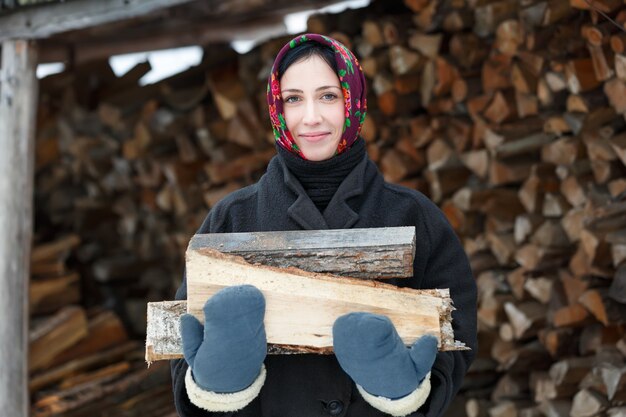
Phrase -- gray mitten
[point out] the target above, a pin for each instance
(370, 350)
(226, 356)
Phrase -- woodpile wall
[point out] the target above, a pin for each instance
(509, 114)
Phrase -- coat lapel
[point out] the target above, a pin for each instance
(338, 214)
(303, 211)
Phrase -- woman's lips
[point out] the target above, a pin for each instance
(314, 136)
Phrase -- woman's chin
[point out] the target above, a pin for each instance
(317, 155)
(319, 151)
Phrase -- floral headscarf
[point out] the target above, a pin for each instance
(352, 83)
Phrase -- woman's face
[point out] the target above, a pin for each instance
(313, 107)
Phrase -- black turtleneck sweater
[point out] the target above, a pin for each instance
(320, 179)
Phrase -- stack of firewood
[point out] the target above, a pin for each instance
(81, 360)
(509, 114)
(514, 114)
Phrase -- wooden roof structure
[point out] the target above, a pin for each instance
(81, 30)
(76, 31)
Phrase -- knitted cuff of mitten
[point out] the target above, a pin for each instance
(213, 401)
(401, 406)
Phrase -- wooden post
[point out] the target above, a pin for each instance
(18, 101)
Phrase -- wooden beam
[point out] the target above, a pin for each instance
(44, 21)
(18, 106)
(380, 253)
(55, 50)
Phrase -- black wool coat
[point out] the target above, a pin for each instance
(315, 385)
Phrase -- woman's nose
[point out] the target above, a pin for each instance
(312, 114)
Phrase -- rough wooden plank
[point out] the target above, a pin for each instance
(44, 21)
(360, 253)
(18, 104)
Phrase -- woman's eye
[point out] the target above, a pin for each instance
(291, 99)
(329, 96)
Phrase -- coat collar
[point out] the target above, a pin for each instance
(338, 214)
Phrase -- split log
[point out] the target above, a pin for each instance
(614, 379)
(48, 295)
(491, 310)
(511, 387)
(588, 403)
(525, 226)
(58, 249)
(526, 318)
(537, 258)
(559, 342)
(164, 342)
(215, 194)
(221, 172)
(71, 367)
(397, 165)
(597, 302)
(105, 330)
(580, 75)
(551, 234)
(359, 253)
(596, 337)
(421, 311)
(55, 335)
(457, 20)
(540, 288)
(574, 315)
(570, 371)
(477, 162)
(477, 407)
(556, 408)
(103, 392)
(98, 375)
(445, 180)
(546, 389)
(489, 16)
(521, 358)
(620, 66)
(427, 45)
(503, 246)
(429, 314)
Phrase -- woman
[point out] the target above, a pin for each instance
(322, 178)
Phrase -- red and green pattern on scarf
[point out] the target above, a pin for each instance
(352, 83)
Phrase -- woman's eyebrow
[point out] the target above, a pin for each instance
(324, 87)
